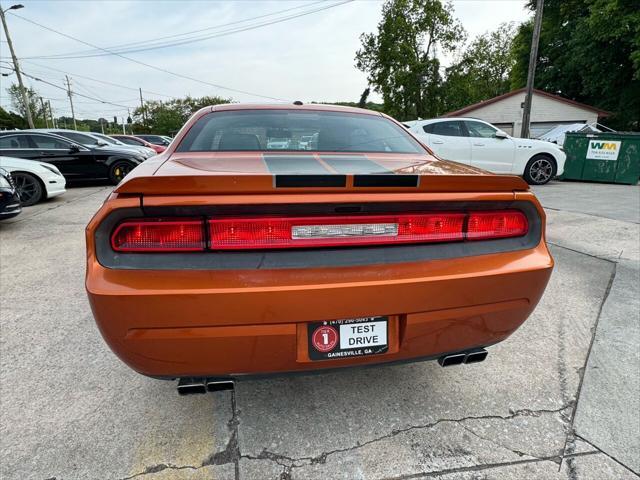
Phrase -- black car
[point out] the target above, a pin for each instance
(74, 161)
(9, 199)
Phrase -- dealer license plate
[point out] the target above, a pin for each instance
(354, 337)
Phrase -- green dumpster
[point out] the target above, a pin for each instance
(602, 157)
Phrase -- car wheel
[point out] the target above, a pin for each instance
(29, 188)
(539, 170)
(119, 170)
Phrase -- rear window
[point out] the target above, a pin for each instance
(286, 130)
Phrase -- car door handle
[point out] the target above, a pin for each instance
(438, 142)
(48, 154)
(478, 144)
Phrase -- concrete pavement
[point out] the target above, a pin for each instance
(551, 402)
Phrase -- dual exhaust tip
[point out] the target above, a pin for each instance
(471, 356)
(194, 385)
(191, 386)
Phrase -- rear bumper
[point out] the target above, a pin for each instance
(248, 322)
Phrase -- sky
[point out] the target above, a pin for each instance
(309, 56)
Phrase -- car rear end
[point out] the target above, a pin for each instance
(219, 265)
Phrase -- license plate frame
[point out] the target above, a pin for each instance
(330, 333)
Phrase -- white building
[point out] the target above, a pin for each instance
(547, 111)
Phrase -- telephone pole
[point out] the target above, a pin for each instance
(44, 112)
(533, 58)
(144, 112)
(73, 114)
(16, 65)
(53, 120)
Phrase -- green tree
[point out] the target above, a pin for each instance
(400, 58)
(166, 118)
(590, 52)
(11, 121)
(482, 71)
(33, 98)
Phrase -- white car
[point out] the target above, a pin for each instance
(478, 143)
(35, 181)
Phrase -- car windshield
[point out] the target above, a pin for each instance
(78, 138)
(264, 130)
(109, 140)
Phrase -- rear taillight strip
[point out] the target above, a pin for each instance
(247, 233)
(159, 235)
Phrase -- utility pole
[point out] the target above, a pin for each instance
(16, 65)
(533, 58)
(73, 114)
(44, 112)
(144, 111)
(124, 132)
(53, 120)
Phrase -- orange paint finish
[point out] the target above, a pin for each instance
(233, 322)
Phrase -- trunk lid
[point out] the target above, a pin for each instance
(198, 173)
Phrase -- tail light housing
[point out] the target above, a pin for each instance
(159, 235)
(246, 233)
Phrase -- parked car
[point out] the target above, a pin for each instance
(92, 140)
(34, 181)
(9, 198)
(133, 140)
(74, 161)
(155, 139)
(480, 144)
(221, 257)
(148, 152)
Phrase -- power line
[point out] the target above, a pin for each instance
(191, 40)
(179, 75)
(184, 34)
(104, 82)
(37, 79)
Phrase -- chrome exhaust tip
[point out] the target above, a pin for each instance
(454, 359)
(217, 385)
(191, 386)
(476, 356)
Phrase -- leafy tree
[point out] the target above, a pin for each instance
(400, 58)
(589, 51)
(482, 71)
(168, 117)
(33, 97)
(11, 121)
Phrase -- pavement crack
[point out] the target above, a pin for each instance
(159, 467)
(606, 454)
(569, 443)
(480, 468)
(297, 462)
(501, 445)
(606, 259)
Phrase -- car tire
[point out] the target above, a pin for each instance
(29, 187)
(540, 169)
(119, 170)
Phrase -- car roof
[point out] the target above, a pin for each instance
(428, 121)
(324, 107)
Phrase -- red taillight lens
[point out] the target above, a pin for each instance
(274, 232)
(499, 224)
(157, 235)
(185, 235)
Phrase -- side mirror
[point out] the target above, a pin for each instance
(74, 148)
(501, 134)
(101, 143)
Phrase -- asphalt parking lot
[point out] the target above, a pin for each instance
(557, 400)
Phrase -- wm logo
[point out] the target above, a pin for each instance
(603, 146)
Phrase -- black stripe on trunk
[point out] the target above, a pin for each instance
(386, 180)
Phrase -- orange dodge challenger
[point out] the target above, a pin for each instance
(287, 238)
